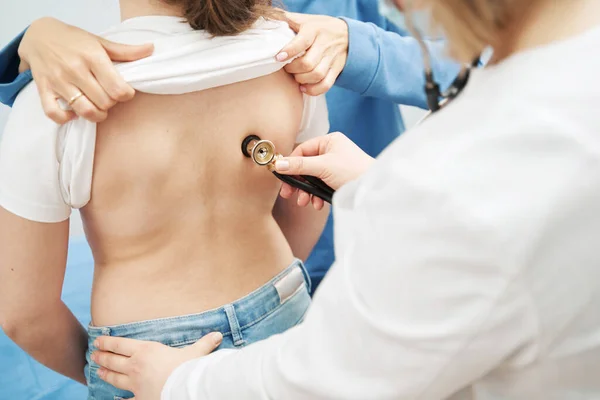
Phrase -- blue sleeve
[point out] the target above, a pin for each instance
(388, 65)
(11, 82)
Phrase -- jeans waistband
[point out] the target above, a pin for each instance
(246, 311)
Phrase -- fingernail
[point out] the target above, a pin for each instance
(217, 338)
(282, 165)
(93, 356)
(302, 89)
(282, 56)
(97, 343)
(101, 372)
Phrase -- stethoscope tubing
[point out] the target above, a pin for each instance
(310, 185)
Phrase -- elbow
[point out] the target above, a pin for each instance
(13, 326)
(20, 326)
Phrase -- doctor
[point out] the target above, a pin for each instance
(468, 254)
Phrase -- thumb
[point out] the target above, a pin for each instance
(205, 346)
(312, 166)
(125, 52)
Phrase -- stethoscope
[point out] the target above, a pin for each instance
(263, 153)
(436, 99)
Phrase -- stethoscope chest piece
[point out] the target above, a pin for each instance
(262, 152)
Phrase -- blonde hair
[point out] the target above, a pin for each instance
(472, 25)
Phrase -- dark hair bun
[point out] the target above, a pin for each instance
(223, 17)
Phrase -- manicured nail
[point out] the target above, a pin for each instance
(282, 165)
(97, 343)
(101, 372)
(302, 89)
(282, 56)
(93, 356)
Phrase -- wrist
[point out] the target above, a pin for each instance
(344, 36)
(362, 57)
(27, 44)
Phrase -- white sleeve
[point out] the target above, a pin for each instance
(417, 305)
(315, 118)
(29, 168)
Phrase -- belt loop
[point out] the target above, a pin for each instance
(306, 276)
(234, 325)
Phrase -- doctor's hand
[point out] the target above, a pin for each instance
(144, 367)
(333, 158)
(65, 61)
(324, 40)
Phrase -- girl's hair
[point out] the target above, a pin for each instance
(472, 25)
(223, 17)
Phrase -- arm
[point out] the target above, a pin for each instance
(407, 311)
(65, 60)
(11, 81)
(302, 226)
(361, 57)
(32, 267)
(387, 65)
(34, 234)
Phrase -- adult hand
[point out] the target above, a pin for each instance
(66, 61)
(324, 40)
(144, 367)
(333, 158)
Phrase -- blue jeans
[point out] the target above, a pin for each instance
(274, 308)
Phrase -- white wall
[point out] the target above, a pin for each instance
(15, 15)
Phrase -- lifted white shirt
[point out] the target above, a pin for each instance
(46, 169)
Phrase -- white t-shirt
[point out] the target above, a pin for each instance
(468, 257)
(46, 169)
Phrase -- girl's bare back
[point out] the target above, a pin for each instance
(180, 221)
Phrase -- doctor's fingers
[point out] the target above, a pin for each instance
(324, 84)
(310, 60)
(112, 362)
(313, 166)
(91, 88)
(107, 74)
(287, 191)
(116, 379)
(318, 203)
(112, 82)
(303, 41)
(80, 103)
(305, 199)
(51, 107)
(314, 75)
(123, 346)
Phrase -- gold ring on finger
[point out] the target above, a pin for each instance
(74, 98)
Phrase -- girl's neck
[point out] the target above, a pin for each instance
(140, 8)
